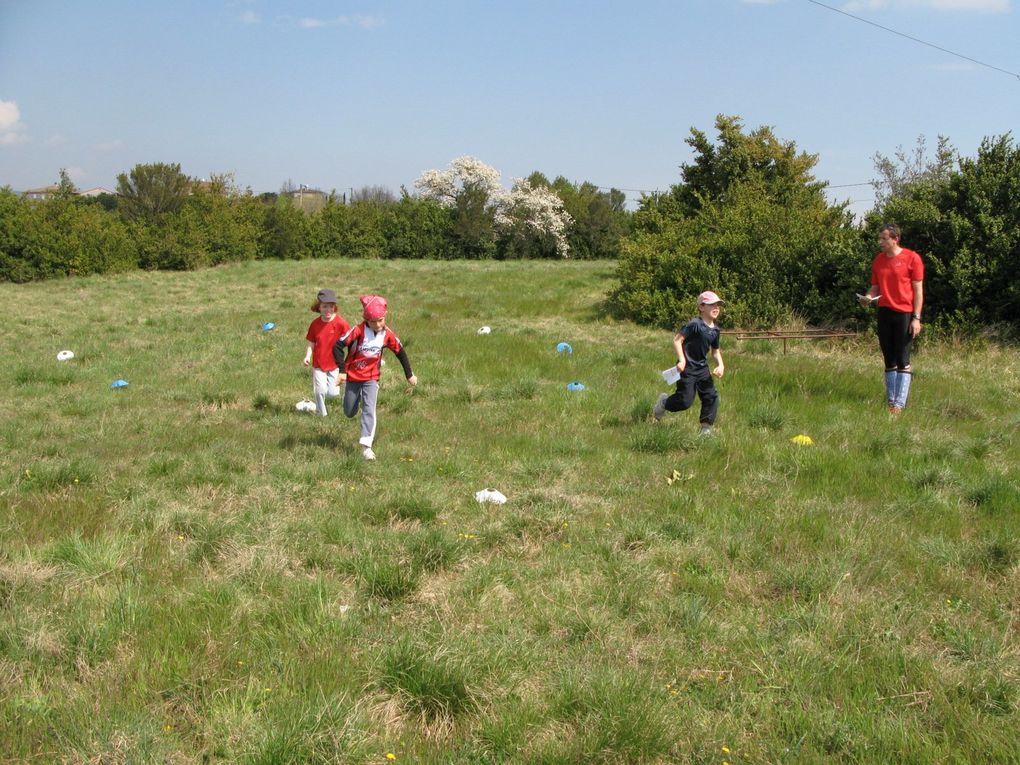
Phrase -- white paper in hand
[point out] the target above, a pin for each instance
(671, 375)
(869, 298)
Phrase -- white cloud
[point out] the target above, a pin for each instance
(11, 129)
(993, 6)
(109, 146)
(369, 22)
(9, 115)
(982, 6)
(311, 22)
(76, 174)
(250, 17)
(55, 140)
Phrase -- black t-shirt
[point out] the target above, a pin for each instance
(699, 339)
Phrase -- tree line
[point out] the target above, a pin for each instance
(746, 219)
(162, 219)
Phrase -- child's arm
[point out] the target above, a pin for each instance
(338, 351)
(308, 353)
(719, 368)
(678, 344)
(406, 364)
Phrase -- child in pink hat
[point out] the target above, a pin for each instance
(694, 343)
(364, 344)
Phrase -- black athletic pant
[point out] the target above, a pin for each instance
(700, 382)
(894, 338)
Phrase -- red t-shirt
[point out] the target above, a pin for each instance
(323, 335)
(366, 351)
(894, 277)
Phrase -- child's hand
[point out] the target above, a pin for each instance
(681, 366)
(718, 371)
(412, 380)
(341, 377)
(307, 361)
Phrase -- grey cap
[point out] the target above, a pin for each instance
(326, 296)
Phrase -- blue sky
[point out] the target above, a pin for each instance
(338, 95)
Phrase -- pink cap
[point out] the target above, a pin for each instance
(374, 305)
(708, 298)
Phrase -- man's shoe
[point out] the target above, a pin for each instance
(368, 454)
(706, 430)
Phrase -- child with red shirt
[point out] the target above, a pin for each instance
(322, 335)
(366, 342)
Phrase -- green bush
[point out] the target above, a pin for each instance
(60, 237)
(750, 223)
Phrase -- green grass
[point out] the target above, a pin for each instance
(191, 570)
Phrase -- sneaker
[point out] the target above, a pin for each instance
(895, 409)
(368, 454)
(706, 430)
(659, 410)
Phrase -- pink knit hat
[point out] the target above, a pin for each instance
(374, 305)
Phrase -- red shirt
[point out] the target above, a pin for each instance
(366, 351)
(323, 335)
(895, 276)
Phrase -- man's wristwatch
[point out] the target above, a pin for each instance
(917, 317)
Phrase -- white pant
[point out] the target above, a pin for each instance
(323, 385)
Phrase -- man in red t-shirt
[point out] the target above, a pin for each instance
(897, 280)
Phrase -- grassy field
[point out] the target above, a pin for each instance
(193, 571)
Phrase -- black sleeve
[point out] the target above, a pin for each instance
(338, 352)
(404, 362)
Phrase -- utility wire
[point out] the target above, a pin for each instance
(916, 39)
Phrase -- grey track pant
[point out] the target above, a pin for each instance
(365, 395)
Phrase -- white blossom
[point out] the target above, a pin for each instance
(463, 172)
(535, 208)
(538, 208)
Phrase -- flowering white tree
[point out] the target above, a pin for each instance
(463, 173)
(525, 210)
(539, 211)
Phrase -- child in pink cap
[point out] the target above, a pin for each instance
(365, 343)
(693, 343)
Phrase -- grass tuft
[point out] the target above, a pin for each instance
(430, 683)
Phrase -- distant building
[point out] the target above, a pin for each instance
(43, 192)
(306, 199)
(98, 191)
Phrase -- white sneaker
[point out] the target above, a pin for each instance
(706, 430)
(368, 454)
(659, 410)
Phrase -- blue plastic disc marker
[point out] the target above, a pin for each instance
(575, 386)
(119, 384)
(267, 326)
(564, 348)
